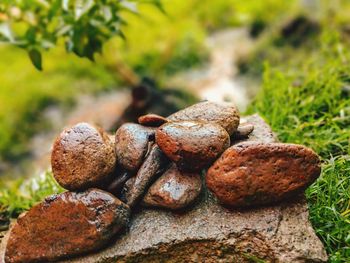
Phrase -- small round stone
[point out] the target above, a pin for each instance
(243, 131)
(252, 173)
(131, 144)
(152, 120)
(83, 156)
(192, 145)
(174, 190)
(224, 114)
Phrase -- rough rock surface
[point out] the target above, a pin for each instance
(174, 189)
(152, 120)
(212, 233)
(83, 156)
(131, 144)
(192, 145)
(71, 223)
(224, 114)
(253, 173)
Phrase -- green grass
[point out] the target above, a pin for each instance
(307, 104)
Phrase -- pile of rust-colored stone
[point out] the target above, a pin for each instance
(156, 163)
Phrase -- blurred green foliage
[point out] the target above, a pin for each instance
(84, 25)
(155, 45)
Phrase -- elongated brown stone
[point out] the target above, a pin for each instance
(174, 189)
(192, 145)
(154, 164)
(224, 114)
(66, 225)
(152, 120)
(253, 173)
(83, 156)
(131, 144)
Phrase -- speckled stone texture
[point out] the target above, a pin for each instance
(192, 145)
(83, 156)
(224, 114)
(253, 173)
(66, 224)
(212, 233)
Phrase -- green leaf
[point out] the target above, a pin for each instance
(35, 57)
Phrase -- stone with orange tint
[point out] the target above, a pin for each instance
(224, 114)
(174, 190)
(66, 225)
(152, 120)
(192, 145)
(132, 142)
(83, 156)
(252, 173)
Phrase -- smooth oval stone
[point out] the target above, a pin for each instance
(152, 120)
(253, 173)
(243, 131)
(192, 145)
(132, 144)
(66, 225)
(224, 114)
(174, 190)
(83, 156)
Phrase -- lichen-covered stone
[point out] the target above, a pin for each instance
(174, 190)
(224, 114)
(66, 225)
(83, 156)
(252, 173)
(132, 141)
(192, 145)
(152, 120)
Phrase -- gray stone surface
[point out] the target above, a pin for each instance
(210, 232)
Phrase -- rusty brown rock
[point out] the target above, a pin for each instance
(174, 190)
(192, 145)
(152, 120)
(66, 225)
(115, 187)
(131, 144)
(224, 114)
(153, 166)
(83, 156)
(252, 173)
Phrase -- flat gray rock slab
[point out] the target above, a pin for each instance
(210, 232)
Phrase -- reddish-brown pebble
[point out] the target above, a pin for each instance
(83, 156)
(252, 173)
(152, 120)
(225, 114)
(66, 225)
(132, 141)
(174, 190)
(192, 145)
